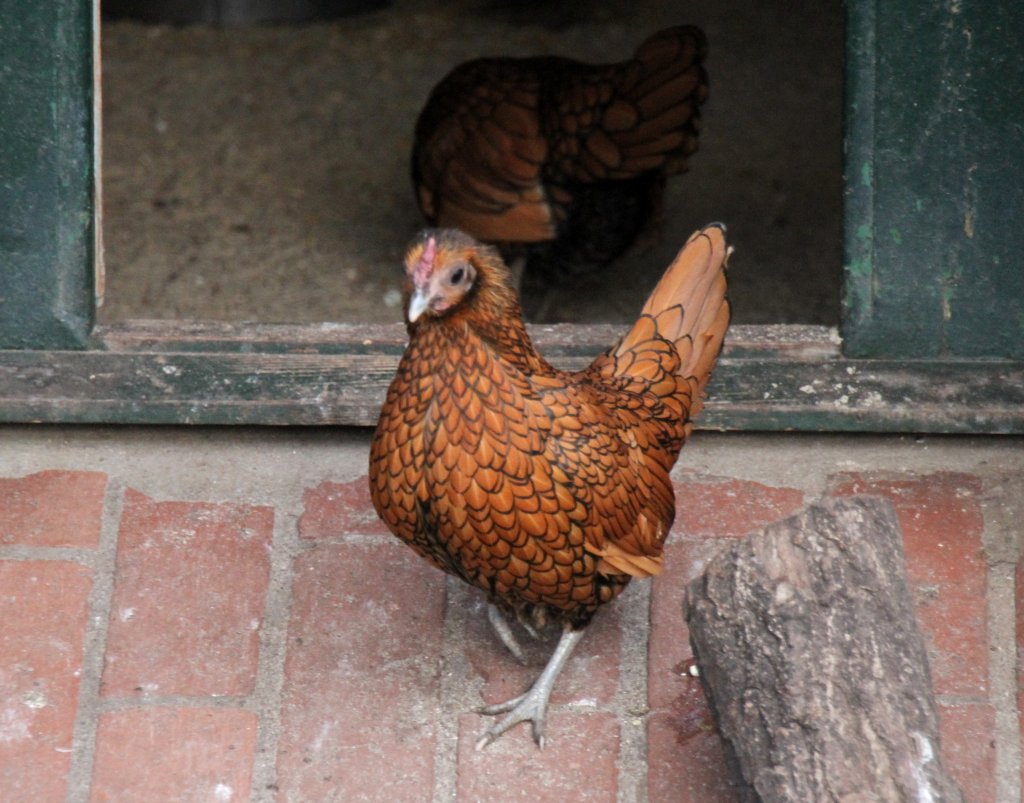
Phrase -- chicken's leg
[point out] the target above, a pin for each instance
(504, 632)
(532, 705)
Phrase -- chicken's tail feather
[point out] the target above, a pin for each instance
(687, 308)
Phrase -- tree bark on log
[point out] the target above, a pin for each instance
(813, 664)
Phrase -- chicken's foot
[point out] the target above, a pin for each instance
(533, 704)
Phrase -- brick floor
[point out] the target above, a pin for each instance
(333, 509)
(52, 508)
(42, 621)
(578, 763)
(942, 536)
(967, 730)
(179, 753)
(285, 648)
(181, 623)
(943, 529)
(684, 754)
(362, 681)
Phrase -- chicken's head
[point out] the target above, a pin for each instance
(441, 269)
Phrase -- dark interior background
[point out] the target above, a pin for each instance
(262, 172)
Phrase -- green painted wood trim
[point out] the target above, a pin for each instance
(770, 378)
(934, 233)
(47, 283)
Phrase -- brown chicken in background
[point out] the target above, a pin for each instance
(561, 162)
(546, 489)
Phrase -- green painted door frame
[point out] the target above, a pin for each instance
(47, 179)
(933, 318)
(934, 221)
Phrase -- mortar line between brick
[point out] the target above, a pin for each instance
(1003, 680)
(350, 539)
(81, 555)
(631, 695)
(1001, 507)
(964, 699)
(83, 742)
(270, 670)
(106, 704)
(454, 677)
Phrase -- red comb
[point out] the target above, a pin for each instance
(425, 266)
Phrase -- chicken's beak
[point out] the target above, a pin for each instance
(418, 303)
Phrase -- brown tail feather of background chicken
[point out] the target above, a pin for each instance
(568, 157)
(548, 490)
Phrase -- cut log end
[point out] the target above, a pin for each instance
(812, 661)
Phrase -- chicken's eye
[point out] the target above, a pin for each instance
(457, 276)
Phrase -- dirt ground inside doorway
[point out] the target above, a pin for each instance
(262, 173)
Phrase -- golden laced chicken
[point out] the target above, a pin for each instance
(548, 490)
(561, 162)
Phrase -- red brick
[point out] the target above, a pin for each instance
(52, 508)
(43, 615)
(942, 528)
(669, 641)
(685, 752)
(685, 759)
(709, 507)
(967, 732)
(188, 598)
(339, 508)
(590, 678)
(362, 687)
(174, 754)
(578, 762)
(707, 511)
(1020, 720)
(1019, 581)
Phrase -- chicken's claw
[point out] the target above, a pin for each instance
(533, 704)
(532, 707)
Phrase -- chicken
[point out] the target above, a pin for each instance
(561, 162)
(548, 490)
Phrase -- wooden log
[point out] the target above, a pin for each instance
(810, 656)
